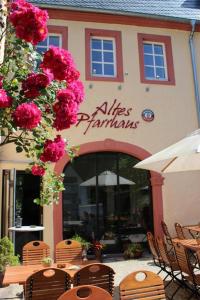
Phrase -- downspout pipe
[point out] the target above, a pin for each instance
(194, 69)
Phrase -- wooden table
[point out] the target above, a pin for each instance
(19, 274)
(191, 244)
(194, 230)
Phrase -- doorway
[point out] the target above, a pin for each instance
(106, 199)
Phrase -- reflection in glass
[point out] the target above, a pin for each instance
(106, 199)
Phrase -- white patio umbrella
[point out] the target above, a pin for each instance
(106, 178)
(181, 156)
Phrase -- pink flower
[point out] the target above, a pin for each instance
(37, 170)
(65, 96)
(5, 100)
(34, 83)
(29, 21)
(78, 89)
(27, 115)
(60, 63)
(53, 150)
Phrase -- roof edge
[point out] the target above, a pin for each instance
(114, 12)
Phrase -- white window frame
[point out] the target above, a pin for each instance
(48, 45)
(154, 64)
(114, 63)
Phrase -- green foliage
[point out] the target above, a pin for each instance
(134, 250)
(7, 256)
(85, 244)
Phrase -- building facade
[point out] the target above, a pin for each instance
(139, 64)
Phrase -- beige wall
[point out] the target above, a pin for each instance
(174, 108)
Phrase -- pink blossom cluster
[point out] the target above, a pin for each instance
(60, 63)
(65, 109)
(29, 21)
(53, 150)
(5, 100)
(27, 115)
(38, 170)
(34, 83)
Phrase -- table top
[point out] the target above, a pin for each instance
(19, 274)
(188, 243)
(193, 228)
(26, 228)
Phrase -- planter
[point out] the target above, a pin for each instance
(1, 278)
(135, 255)
(98, 254)
(84, 254)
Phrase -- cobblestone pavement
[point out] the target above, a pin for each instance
(121, 267)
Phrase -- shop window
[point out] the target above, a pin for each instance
(103, 55)
(156, 61)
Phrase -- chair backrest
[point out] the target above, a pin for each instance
(162, 250)
(183, 259)
(86, 292)
(179, 231)
(33, 252)
(167, 234)
(96, 274)
(68, 250)
(48, 284)
(142, 285)
(152, 246)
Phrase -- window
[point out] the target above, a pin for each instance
(57, 37)
(156, 61)
(51, 40)
(103, 55)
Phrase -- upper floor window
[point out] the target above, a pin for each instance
(156, 61)
(103, 55)
(52, 39)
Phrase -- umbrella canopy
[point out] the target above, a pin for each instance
(106, 178)
(181, 156)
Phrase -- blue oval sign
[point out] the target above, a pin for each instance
(148, 115)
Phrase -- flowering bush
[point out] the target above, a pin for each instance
(36, 101)
(98, 245)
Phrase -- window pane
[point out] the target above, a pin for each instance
(96, 44)
(159, 61)
(158, 49)
(148, 48)
(149, 72)
(43, 43)
(96, 56)
(107, 45)
(148, 60)
(160, 73)
(96, 69)
(54, 40)
(109, 70)
(108, 56)
(41, 50)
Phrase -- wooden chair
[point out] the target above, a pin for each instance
(150, 286)
(168, 237)
(48, 284)
(96, 274)
(33, 252)
(179, 231)
(87, 292)
(190, 278)
(68, 251)
(155, 252)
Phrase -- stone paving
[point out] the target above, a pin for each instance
(121, 267)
